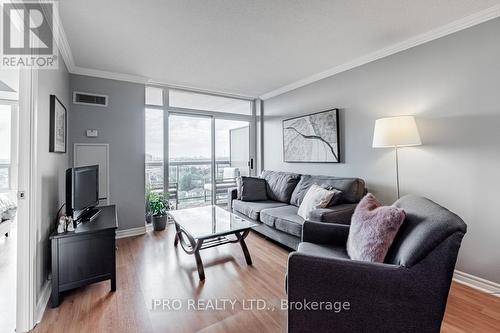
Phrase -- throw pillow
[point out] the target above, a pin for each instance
(316, 197)
(253, 189)
(336, 198)
(373, 228)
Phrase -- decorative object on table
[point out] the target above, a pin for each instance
(373, 229)
(396, 132)
(70, 225)
(58, 126)
(312, 138)
(61, 225)
(158, 208)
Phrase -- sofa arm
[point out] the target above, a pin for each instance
(232, 193)
(325, 233)
(340, 214)
(378, 295)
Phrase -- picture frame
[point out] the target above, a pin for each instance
(312, 138)
(58, 131)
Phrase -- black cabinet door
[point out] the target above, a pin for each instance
(81, 258)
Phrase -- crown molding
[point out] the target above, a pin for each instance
(455, 26)
(109, 75)
(62, 43)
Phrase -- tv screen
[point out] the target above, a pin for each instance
(86, 187)
(82, 189)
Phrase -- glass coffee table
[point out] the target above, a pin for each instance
(205, 227)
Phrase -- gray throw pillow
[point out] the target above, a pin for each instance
(252, 189)
(337, 198)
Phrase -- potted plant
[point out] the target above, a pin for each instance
(158, 207)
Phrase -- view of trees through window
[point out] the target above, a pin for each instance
(190, 155)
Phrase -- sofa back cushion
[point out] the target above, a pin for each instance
(280, 185)
(352, 189)
(426, 226)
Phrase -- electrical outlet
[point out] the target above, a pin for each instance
(92, 133)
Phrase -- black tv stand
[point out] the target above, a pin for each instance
(85, 255)
(89, 215)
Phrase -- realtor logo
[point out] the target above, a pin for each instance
(27, 35)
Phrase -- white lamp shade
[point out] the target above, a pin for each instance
(396, 132)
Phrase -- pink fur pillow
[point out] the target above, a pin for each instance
(373, 228)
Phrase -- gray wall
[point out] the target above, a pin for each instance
(121, 125)
(452, 86)
(50, 167)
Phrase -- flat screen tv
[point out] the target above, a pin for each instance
(82, 190)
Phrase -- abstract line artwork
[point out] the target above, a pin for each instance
(312, 138)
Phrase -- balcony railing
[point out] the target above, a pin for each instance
(187, 180)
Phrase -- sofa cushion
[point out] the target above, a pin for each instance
(352, 189)
(253, 209)
(284, 219)
(252, 189)
(280, 185)
(324, 251)
(340, 214)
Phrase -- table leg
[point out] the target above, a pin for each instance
(244, 247)
(176, 239)
(199, 265)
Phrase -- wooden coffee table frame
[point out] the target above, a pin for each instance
(192, 245)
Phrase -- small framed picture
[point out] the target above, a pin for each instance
(58, 124)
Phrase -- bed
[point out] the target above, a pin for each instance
(8, 209)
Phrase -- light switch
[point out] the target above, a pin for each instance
(92, 133)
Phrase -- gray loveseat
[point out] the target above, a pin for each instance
(407, 293)
(277, 216)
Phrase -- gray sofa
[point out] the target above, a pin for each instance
(277, 216)
(407, 293)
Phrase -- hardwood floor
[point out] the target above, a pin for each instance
(8, 263)
(149, 268)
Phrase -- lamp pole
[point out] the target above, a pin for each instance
(397, 170)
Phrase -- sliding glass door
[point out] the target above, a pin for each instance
(190, 159)
(197, 144)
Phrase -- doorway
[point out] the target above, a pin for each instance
(9, 138)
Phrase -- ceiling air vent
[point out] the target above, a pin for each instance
(89, 99)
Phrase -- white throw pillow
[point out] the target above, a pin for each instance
(316, 197)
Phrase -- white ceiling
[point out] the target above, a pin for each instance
(246, 47)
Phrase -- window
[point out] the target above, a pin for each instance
(198, 101)
(154, 149)
(154, 96)
(5, 147)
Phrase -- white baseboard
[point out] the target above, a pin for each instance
(478, 283)
(43, 301)
(131, 232)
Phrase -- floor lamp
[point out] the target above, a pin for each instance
(395, 132)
